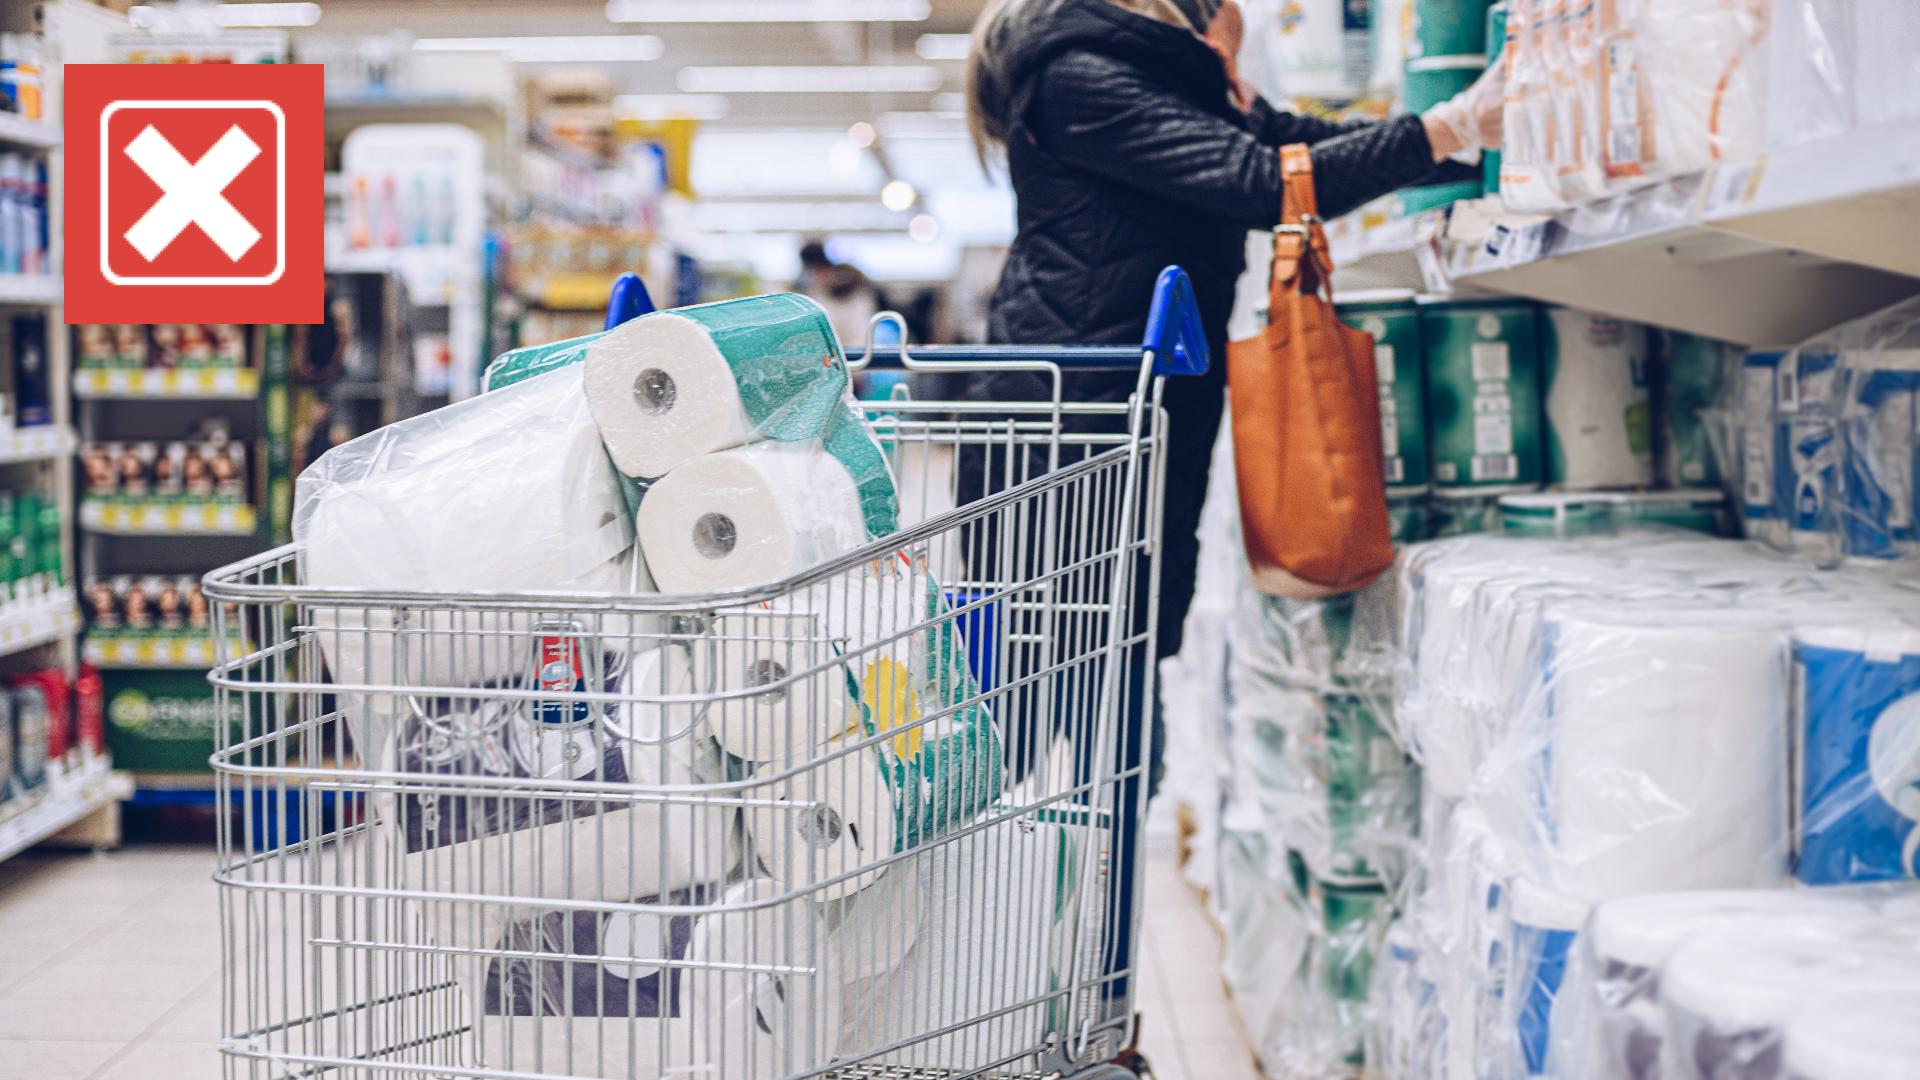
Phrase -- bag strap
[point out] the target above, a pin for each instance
(1302, 258)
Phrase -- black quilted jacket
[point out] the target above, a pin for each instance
(1126, 156)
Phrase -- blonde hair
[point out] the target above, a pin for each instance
(989, 96)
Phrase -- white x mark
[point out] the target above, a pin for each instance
(192, 193)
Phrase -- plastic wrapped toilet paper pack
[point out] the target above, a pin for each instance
(669, 387)
(1855, 1035)
(752, 1014)
(507, 492)
(1859, 749)
(1596, 371)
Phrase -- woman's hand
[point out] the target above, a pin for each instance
(1471, 119)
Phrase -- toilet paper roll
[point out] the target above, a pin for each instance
(1665, 749)
(769, 1011)
(623, 1009)
(827, 827)
(775, 689)
(1729, 995)
(1856, 1035)
(669, 387)
(1858, 721)
(874, 928)
(749, 516)
(507, 492)
(1599, 413)
(1880, 428)
(1545, 927)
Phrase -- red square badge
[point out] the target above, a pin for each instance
(193, 193)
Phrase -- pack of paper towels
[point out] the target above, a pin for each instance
(707, 450)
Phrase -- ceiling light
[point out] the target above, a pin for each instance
(898, 195)
(861, 134)
(671, 106)
(794, 11)
(924, 227)
(592, 48)
(944, 46)
(810, 80)
(237, 16)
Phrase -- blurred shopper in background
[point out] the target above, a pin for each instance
(1132, 145)
(848, 295)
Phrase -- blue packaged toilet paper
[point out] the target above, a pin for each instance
(1880, 428)
(1859, 732)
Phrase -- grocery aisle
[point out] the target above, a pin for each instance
(111, 971)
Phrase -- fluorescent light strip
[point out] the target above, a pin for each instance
(594, 48)
(902, 79)
(773, 11)
(236, 16)
(671, 106)
(943, 46)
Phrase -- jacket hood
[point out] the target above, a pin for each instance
(1028, 34)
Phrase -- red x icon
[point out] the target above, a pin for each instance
(193, 193)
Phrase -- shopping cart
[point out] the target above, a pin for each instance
(578, 835)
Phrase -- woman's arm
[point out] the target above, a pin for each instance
(1110, 118)
(1277, 127)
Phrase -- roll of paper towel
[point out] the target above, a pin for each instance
(1859, 739)
(1664, 749)
(749, 516)
(1856, 1035)
(1599, 414)
(824, 830)
(806, 701)
(765, 1007)
(671, 386)
(508, 492)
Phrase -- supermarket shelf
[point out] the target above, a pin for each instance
(37, 134)
(68, 798)
(1758, 253)
(235, 384)
(168, 519)
(125, 652)
(29, 290)
(40, 443)
(25, 624)
(1387, 254)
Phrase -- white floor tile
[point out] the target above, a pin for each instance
(164, 1061)
(81, 1021)
(29, 1059)
(75, 981)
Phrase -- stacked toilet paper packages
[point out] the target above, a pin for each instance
(1610, 721)
(738, 801)
(1824, 441)
(1607, 95)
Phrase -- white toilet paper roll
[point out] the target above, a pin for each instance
(757, 1017)
(669, 387)
(1856, 1035)
(749, 516)
(508, 492)
(874, 928)
(1665, 749)
(805, 700)
(837, 818)
(1599, 415)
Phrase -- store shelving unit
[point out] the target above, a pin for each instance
(84, 799)
(209, 384)
(1758, 253)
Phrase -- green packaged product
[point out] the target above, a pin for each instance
(1556, 514)
(53, 549)
(1408, 517)
(1687, 377)
(26, 544)
(1393, 321)
(1496, 45)
(1448, 28)
(12, 563)
(1483, 393)
(519, 365)
(1370, 788)
(1439, 78)
(1467, 513)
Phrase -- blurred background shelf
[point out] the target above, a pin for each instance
(25, 624)
(168, 519)
(41, 443)
(69, 798)
(234, 384)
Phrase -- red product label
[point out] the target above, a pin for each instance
(90, 709)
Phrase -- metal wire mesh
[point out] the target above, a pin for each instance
(857, 824)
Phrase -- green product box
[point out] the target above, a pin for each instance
(162, 721)
(1483, 393)
(1393, 321)
(1369, 782)
(26, 545)
(12, 565)
(1686, 376)
(1557, 514)
(1448, 28)
(1496, 44)
(1408, 516)
(53, 550)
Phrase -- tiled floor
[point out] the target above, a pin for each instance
(109, 970)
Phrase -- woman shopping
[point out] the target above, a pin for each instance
(1132, 146)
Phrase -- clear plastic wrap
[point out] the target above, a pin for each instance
(1528, 182)
(1885, 61)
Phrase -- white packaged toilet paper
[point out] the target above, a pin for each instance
(749, 516)
(1665, 732)
(874, 928)
(1599, 413)
(671, 386)
(507, 492)
(1885, 69)
(775, 686)
(769, 1004)
(826, 830)
(1686, 87)
(1856, 1035)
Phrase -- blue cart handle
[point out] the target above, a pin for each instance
(1175, 338)
(628, 301)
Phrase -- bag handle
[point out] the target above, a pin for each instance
(1302, 258)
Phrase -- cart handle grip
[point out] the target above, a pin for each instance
(1175, 337)
(628, 300)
